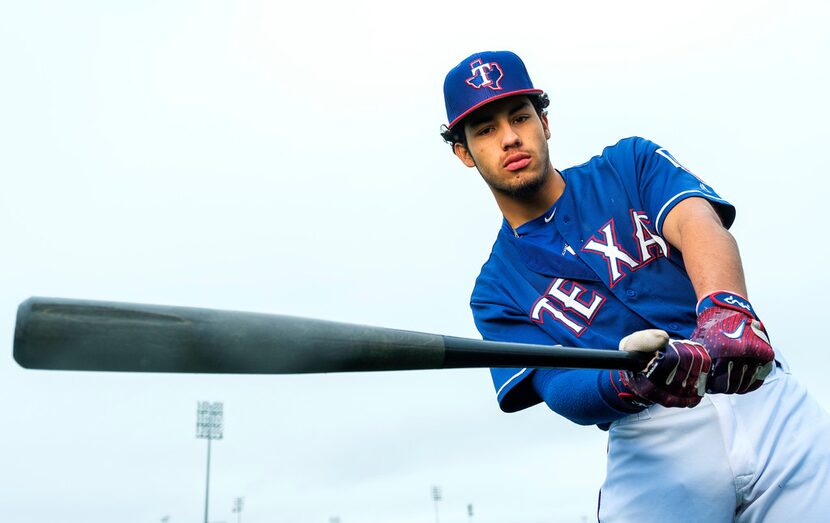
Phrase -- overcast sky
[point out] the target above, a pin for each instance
(286, 159)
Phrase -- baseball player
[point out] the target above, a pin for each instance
(630, 249)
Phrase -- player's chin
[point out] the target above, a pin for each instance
(527, 180)
(529, 171)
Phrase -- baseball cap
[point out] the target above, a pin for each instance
(481, 78)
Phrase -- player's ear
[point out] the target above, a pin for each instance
(544, 118)
(463, 154)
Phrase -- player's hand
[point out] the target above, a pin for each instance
(675, 376)
(741, 353)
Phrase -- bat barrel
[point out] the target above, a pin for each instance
(64, 334)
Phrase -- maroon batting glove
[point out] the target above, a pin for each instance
(741, 353)
(675, 377)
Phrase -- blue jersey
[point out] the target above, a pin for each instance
(591, 270)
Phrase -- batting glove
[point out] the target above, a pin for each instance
(741, 353)
(675, 376)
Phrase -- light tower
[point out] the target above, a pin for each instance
(209, 426)
(436, 497)
(237, 509)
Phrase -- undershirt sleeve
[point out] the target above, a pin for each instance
(584, 396)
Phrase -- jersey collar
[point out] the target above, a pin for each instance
(534, 227)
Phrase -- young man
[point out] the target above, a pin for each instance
(714, 429)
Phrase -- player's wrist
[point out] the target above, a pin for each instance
(726, 300)
(729, 328)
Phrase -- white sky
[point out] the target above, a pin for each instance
(286, 159)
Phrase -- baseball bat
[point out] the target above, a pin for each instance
(80, 335)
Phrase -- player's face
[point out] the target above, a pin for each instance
(507, 143)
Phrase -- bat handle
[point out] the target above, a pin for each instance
(463, 352)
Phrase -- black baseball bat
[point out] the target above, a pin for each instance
(68, 334)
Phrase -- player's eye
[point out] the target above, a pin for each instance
(522, 118)
(484, 131)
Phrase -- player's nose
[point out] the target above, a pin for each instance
(509, 137)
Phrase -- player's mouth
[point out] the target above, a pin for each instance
(516, 161)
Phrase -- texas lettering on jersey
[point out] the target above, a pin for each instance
(620, 262)
(575, 306)
(569, 303)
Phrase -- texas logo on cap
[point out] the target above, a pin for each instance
(485, 75)
(481, 78)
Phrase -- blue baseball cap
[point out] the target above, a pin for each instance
(482, 78)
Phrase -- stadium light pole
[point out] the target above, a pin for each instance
(209, 426)
(237, 509)
(436, 497)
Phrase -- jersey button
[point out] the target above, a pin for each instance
(674, 326)
(631, 293)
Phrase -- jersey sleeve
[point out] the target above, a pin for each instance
(514, 389)
(584, 396)
(662, 182)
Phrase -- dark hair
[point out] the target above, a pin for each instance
(456, 134)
